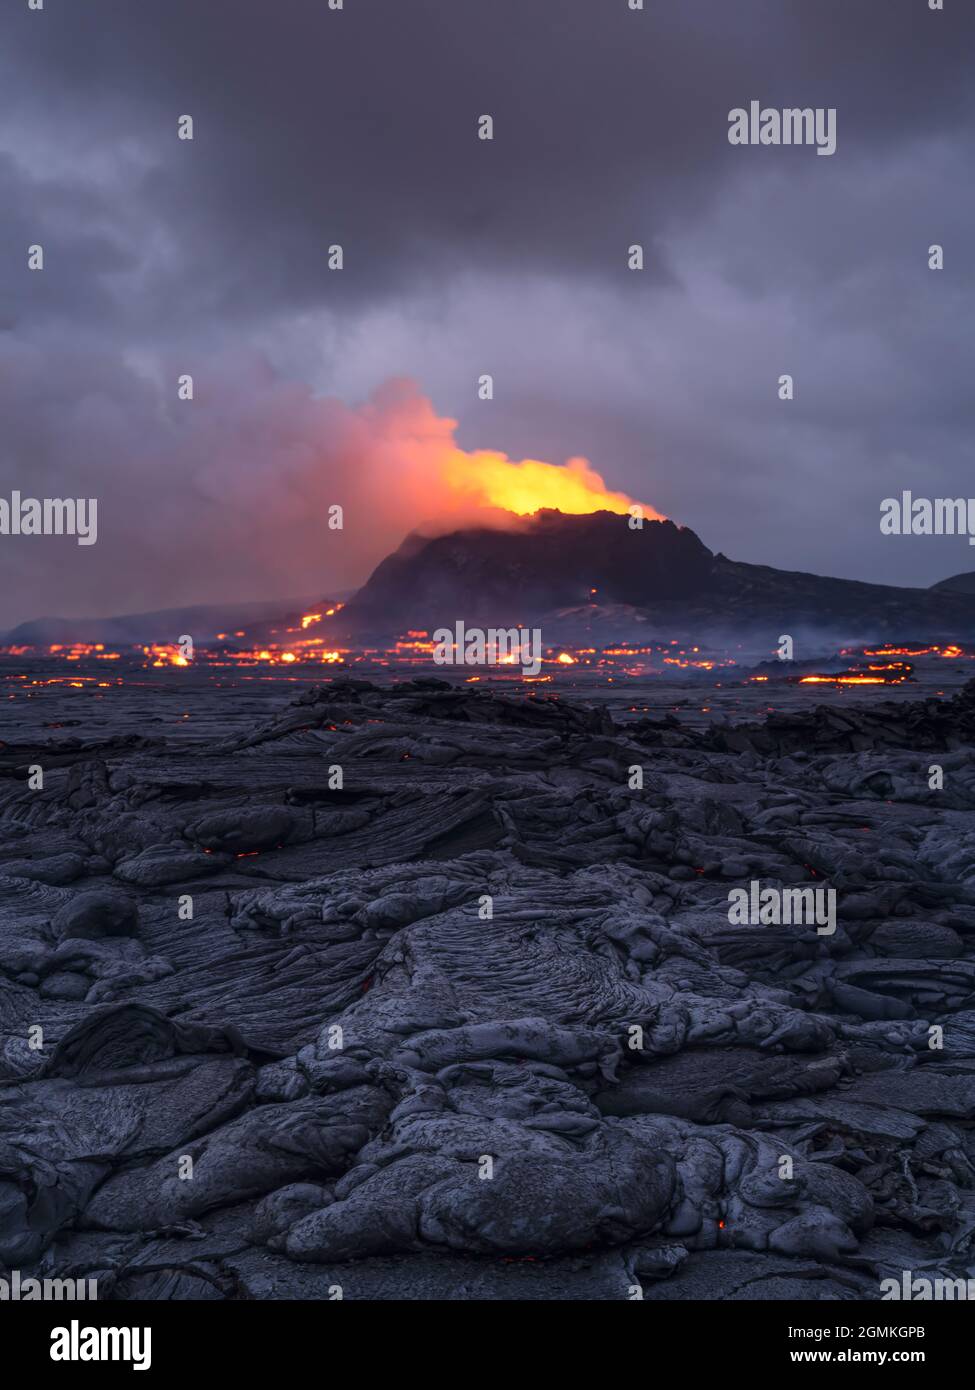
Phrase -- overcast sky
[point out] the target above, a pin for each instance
(359, 127)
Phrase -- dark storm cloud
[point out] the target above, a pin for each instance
(314, 126)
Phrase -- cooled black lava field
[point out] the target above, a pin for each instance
(474, 1024)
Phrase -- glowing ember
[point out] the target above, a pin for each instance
(696, 665)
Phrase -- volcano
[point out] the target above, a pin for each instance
(567, 569)
(549, 561)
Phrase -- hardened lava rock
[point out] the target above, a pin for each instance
(470, 1020)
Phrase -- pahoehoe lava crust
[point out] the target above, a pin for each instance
(395, 1037)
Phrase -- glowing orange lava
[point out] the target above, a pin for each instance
(843, 680)
(952, 652)
(488, 479)
(164, 654)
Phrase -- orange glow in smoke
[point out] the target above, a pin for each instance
(488, 479)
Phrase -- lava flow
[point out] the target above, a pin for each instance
(306, 643)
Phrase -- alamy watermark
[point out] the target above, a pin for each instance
(918, 1288)
(493, 646)
(77, 1343)
(756, 906)
(908, 515)
(50, 516)
(791, 126)
(17, 1289)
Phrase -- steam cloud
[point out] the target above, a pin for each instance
(227, 497)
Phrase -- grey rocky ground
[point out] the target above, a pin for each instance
(339, 1037)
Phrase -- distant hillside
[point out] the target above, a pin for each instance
(958, 583)
(202, 622)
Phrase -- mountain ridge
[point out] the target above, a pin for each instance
(587, 574)
(665, 573)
